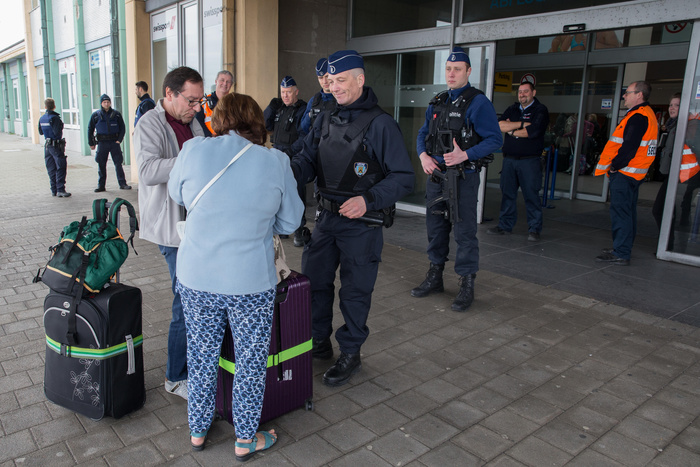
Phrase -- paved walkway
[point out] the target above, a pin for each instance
(531, 375)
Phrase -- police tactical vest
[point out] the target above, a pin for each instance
(285, 132)
(345, 168)
(107, 124)
(448, 122)
(46, 129)
(318, 105)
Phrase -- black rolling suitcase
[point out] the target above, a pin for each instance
(94, 352)
(102, 374)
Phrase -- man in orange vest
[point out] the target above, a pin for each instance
(626, 158)
(224, 81)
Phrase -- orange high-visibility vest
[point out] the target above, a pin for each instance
(689, 164)
(208, 112)
(638, 166)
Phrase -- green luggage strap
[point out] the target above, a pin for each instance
(94, 354)
(273, 360)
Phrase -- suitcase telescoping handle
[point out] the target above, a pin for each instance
(281, 296)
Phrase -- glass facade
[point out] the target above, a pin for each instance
(187, 34)
(370, 17)
(483, 10)
(69, 91)
(100, 75)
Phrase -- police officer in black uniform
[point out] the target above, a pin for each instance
(357, 156)
(283, 117)
(460, 129)
(322, 100)
(51, 126)
(110, 128)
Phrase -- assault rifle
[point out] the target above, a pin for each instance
(449, 181)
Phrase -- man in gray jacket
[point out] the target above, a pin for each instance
(158, 140)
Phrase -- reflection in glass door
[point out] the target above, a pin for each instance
(601, 105)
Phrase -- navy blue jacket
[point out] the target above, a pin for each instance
(105, 123)
(50, 125)
(306, 121)
(383, 141)
(538, 116)
(144, 106)
(481, 114)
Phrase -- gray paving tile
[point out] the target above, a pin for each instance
(674, 456)
(398, 448)
(301, 423)
(482, 442)
(381, 419)
(60, 429)
(534, 409)
(510, 387)
(449, 454)
(347, 435)
(312, 451)
(485, 399)
(608, 404)
(623, 449)
(439, 390)
(459, 414)
(569, 438)
(57, 455)
(592, 458)
(143, 453)
(24, 418)
(646, 432)
(336, 408)
(589, 420)
(93, 444)
(412, 404)
(557, 395)
(534, 451)
(663, 415)
(430, 430)
(16, 445)
(509, 425)
(362, 456)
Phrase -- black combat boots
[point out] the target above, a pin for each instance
(432, 282)
(465, 297)
(322, 349)
(347, 365)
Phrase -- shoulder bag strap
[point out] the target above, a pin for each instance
(217, 176)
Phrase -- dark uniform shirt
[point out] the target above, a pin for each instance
(538, 117)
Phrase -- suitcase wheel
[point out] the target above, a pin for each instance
(309, 404)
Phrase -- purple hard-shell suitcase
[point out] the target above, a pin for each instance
(289, 368)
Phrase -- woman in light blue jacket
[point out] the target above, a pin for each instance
(225, 263)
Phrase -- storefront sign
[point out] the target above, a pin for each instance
(95, 59)
(606, 104)
(163, 25)
(504, 81)
(212, 13)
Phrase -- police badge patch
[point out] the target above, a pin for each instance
(360, 168)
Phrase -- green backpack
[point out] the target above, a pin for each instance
(89, 252)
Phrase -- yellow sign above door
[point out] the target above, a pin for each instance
(503, 82)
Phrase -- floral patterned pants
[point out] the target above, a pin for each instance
(250, 318)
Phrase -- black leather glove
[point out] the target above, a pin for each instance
(276, 104)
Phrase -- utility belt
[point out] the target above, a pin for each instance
(379, 218)
(106, 137)
(58, 143)
(466, 166)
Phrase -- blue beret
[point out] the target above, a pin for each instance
(104, 97)
(288, 82)
(459, 55)
(344, 60)
(322, 67)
